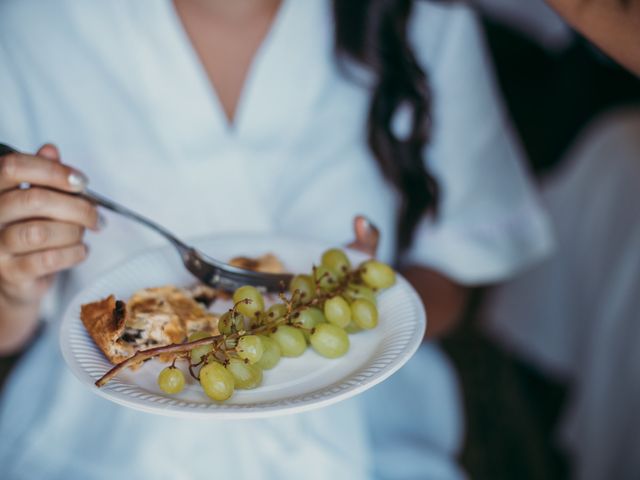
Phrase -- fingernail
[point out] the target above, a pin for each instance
(77, 180)
(102, 221)
(370, 226)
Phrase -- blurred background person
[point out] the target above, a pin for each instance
(613, 25)
(561, 352)
(576, 316)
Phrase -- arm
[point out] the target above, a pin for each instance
(613, 25)
(17, 324)
(489, 225)
(444, 300)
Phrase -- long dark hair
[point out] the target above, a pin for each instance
(373, 33)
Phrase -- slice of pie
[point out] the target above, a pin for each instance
(267, 263)
(105, 322)
(160, 316)
(152, 317)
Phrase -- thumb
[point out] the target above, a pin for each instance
(367, 236)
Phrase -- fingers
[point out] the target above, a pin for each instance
(19, 204)
(367, 236)
(30, 267)
(35, 235)
(50, 152)
(46, 170)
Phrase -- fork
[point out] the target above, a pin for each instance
(208, 270)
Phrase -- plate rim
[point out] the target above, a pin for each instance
(250, 411)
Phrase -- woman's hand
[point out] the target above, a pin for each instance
(41, 230)
(367, 236)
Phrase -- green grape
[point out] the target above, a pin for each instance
(277, 310)
(336, 261)
(250, 348)
(199, 352)
(308, 318)
(248, 309)
(337, 311)
(364, 313)
(326, 279)
(171, 380)
(352, 328)
(378, 275)
(271, 355)
(330, 341)
(290, 340)
(231, 322)
(306, 286)
(216, 381)
(245, 376)
(354, 292)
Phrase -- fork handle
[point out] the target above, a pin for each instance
(109, 204)
(105, 202)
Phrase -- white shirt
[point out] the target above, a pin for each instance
(117, 86)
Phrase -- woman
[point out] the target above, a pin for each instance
(258, 116)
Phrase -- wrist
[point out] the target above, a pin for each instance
(15, 301)
(18, 322)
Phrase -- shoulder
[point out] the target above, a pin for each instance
(41, 24)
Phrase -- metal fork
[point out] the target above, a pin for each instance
(206, 269)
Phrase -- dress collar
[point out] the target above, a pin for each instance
(282, 84)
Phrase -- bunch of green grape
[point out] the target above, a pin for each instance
(322, 308)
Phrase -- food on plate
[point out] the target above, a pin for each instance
(270, 353)
(337, 311)
(105, 322)
(364, 313)
(290, 339)
(152, 317)
(171, 380)
(329, 340)
(267, 263)
(230, 351)
(377, 274)
(217, 381)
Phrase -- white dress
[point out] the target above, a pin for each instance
(117, 86)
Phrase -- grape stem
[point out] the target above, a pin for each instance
(143, 355)
(179, 348)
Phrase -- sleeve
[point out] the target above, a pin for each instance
(490, 223)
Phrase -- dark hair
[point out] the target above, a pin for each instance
(373, 33)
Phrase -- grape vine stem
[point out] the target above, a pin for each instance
(178, 348)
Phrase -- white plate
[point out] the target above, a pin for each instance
(294, 385)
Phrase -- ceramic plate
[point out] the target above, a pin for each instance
(294, 385)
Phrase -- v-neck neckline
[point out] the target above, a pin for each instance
(285, 82)
(231, 127)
